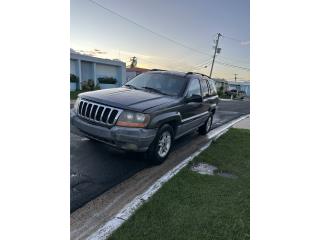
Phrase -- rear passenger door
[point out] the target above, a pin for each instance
(205, 94)
(211, 99)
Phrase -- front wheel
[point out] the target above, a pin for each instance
(204, 129)
(161, 146)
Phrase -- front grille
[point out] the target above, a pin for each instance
(98, 113)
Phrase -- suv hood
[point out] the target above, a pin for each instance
(130, 99)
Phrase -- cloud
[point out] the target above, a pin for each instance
(112, 53)
(98, 51)
(94, 52)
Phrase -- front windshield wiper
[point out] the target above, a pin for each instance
(132, 86)
(155, 90)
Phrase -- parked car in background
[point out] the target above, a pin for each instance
(149, 112)
(232, 92)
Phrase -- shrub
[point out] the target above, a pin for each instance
(97, 87)
(88, 85)
(107, 80)
(73, 78)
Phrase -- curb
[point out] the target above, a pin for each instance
(226, 99)
(109, 227)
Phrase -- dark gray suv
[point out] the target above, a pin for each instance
(149, 112)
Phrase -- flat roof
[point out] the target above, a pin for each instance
(239, 82)
(83, 57)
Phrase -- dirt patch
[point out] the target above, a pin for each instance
(204, 168)
(207, 169)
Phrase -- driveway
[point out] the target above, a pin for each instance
(96, 168)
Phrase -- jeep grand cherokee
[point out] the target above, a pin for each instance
(149, 112)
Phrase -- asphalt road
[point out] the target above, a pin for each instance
(95, 167)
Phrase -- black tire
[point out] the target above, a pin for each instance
(153, 152)
(206, 127)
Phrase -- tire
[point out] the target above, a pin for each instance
(157, 153)
(205, 128)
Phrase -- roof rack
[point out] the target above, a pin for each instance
(204, 75)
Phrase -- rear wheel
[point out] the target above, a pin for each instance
(204, 129)
(161, 146)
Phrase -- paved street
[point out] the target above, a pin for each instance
(95, 167)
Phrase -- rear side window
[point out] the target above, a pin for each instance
(204, 87)
(212, 86)
(194, 88)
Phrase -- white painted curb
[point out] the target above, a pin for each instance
(226, 99)
(109, 227)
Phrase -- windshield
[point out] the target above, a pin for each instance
(162, 83)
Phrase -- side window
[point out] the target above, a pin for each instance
(204, 87)
(213, 90)
(194, 88)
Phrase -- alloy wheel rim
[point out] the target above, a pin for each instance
(164, 144)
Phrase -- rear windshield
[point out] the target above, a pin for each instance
(162, 83)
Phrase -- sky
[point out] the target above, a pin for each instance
(190, 23)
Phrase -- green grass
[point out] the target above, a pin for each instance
(224, 96)
(194, 206)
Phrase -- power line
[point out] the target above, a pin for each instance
(218, 75)
(148, 29)
(199, 68)
(235, 60)
(203, 63)
(233, 66)
(161, 35)
(234, 39)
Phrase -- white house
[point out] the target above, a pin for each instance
(240, 86)
(221, 84)
(87, 67)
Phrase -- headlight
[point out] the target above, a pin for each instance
(76, 104)
(133, 119)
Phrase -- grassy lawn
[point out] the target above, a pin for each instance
(194, 206)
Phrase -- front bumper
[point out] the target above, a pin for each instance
(132, 139)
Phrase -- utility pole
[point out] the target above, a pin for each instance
(215, 52)
(235, 77)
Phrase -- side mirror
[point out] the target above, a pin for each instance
(194, 98)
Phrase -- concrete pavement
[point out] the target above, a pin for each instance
(245, 123)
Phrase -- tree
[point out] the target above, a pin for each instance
(133, 62)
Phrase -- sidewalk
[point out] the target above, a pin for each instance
(245, 124)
